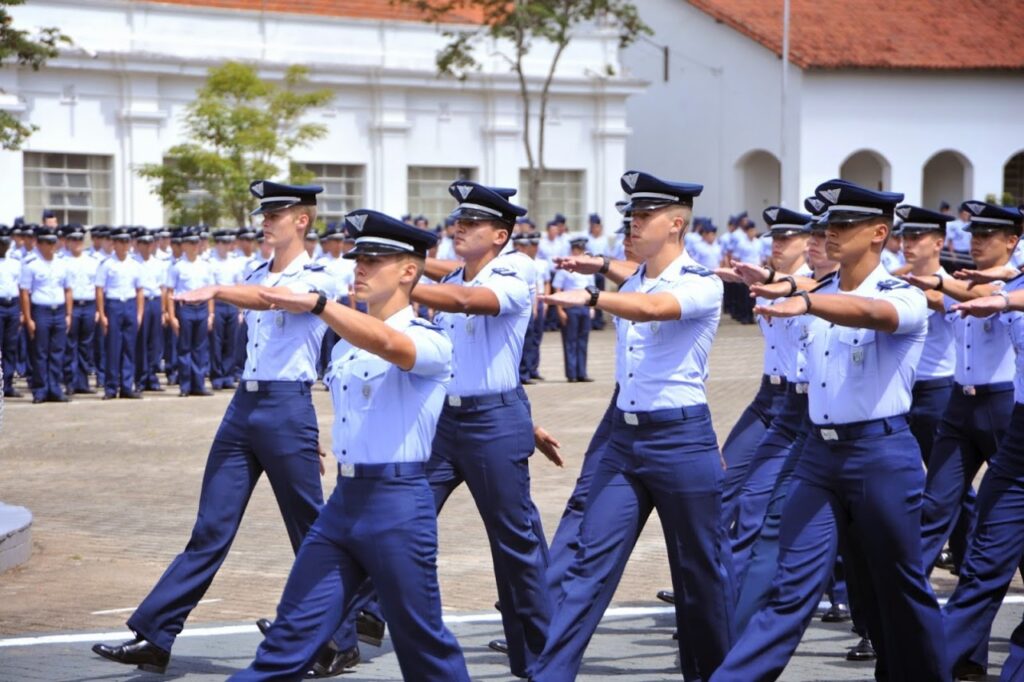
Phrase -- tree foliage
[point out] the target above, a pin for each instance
(237, 129)
(520, 24)
(18, 46)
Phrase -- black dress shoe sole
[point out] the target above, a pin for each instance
(499, 645)
(146, 667)
(667, 596)
(370, 630)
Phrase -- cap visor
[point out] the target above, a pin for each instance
(375, 250)
(271, 206)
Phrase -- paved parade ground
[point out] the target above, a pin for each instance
(113, 487)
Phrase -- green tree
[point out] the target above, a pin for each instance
(19, 47)
(236, 129)
(519, 24)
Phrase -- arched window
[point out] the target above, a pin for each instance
(1013, 179)
(759, 177)
(946, 177)
(867, 168)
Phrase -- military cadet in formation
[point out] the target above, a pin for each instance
(380, 520)
(119, 307)
(527, 243)
(79, 362)
(191, 322)
(225, 270)
(46, 307)
(149, 348)
(662, 451)
(575, 322)
(10, 311)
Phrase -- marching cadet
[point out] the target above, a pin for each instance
(225, 270)
(707, 251)
(170, 359)
(859, 482)
(387, 380)
(574, 321)
(10, 312)
(313, 243)
(342, 275)
(82, 268)
(46, 307)
(270, 426)
(526, 243)
(597, 245)
(101, 250)
(978, 413)
(150, 345)
(119, 307)
(191, 322)
(662, 451)
(484, 433)
(996, 549)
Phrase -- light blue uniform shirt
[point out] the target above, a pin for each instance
(664, 364)
(45, 280)
(958, 236)
(778, 351)
(152, 275)
(186, 275)
(487, 348)
(798, 334)
(1015, 323)
(861, 374)
(597, 246)
(382, 413)
(984, 354)
(10, 277)
(708, 255)
(82, 277)
(226, 271)
(342, 273)
(746, 250)
(938, 359)
(571, 281)
(284, 346)
(728, 242)
(119, 279)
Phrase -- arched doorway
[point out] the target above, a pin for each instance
(760, 182)
(1013, 180)
(867, 168)
(946, 177)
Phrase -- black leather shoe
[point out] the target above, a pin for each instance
(109, 396)
(527, 382)
(539, 377)
(36, 401)
(969, 671)
(667, 596)
(85, 391)
(862, 652)
(330, 663)
(60, 399)
(369, 628)
(156, 389)
(945, 560)
(499, 645)
(204, 392)
(131, 395)
(497, 606)
(13, 393)
(585, 380)
(264, 625)
(138, 651)
(675, 635)
(837, 613)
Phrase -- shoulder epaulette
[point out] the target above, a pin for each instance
(890, 284)
(313, 267)
(695, 270)
(257, 269)
(507, 272)
(827, 279)
(451, 275)
(426, 324)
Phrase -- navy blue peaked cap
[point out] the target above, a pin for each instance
(647, 192)
(45, 234)
(378, 234)
(782, 221)
(989, 217)
(479, 202)
(275, 196)
(334, 231)
(849, 202)
(916, 219)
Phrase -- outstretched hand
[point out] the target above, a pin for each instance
(790, 307)
(584, 264)
(999, 273)
(981, 307)
(196, 296)
(289, 301)
(567, 299)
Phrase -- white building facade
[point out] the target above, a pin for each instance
(724, 113)
(397, 133)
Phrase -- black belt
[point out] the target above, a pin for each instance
(476, 402)
(83, 301)
(8, 301)
(855, 430)
(152, 298)
(927, 384)
(254, 386)
(669, 414)
(390, 470)
(984, 389)
(49, 306)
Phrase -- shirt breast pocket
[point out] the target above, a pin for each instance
(366, 380)
(859, 349)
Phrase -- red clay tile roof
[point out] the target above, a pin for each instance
(884, 34)
(358, 9)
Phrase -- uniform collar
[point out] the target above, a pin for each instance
(295, 266)
(400, 319)
(674, 269)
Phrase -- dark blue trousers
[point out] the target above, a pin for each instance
(48, 348)
(10, 325)
(861, 492)
(383, 528)
(122, 333)
(149, 347)
(78, 363)
(930, 399)
(575, 337)
(671, 464)
(994, 553)
(530, 359)
(241, 350)
(99, 355)
(968, 435)
(742, 443)
(193, 348)
(24, 357)
(170, 355)
(272, 430)
(487, 443)
(222, 345)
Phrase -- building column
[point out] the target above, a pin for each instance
(12, 163)
(141, 121)
(387, 182)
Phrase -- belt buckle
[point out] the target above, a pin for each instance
(347, 470)
(801, 389)
(631, 418)
(454, 401)
(829, 434)
(774, 379)
(970, 390)
(252, 386)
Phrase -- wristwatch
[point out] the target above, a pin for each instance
(594, 293)
(321, 303)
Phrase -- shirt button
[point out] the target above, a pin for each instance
(826, 416)
(632, 402)
(773, 347)
(366, 374)
(631, 348)
(968, 345)
(344, 452)
(823, 384)
(344, 388)
(344, 419)
(630, 375)
(968, 368)
(832, 325)
(826, 353)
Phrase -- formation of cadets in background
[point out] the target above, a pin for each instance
(887, 384)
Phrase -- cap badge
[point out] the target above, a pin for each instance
(832, 195)
(630, 179)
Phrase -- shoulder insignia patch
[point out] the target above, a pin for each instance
(313, 267)
(507, 272)
(890, 284)
(257, 269)
(426, 324)
(695, 270)
(457, 272)
(827, 279)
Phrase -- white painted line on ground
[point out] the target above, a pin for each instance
(615, 613)
(132, 608)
